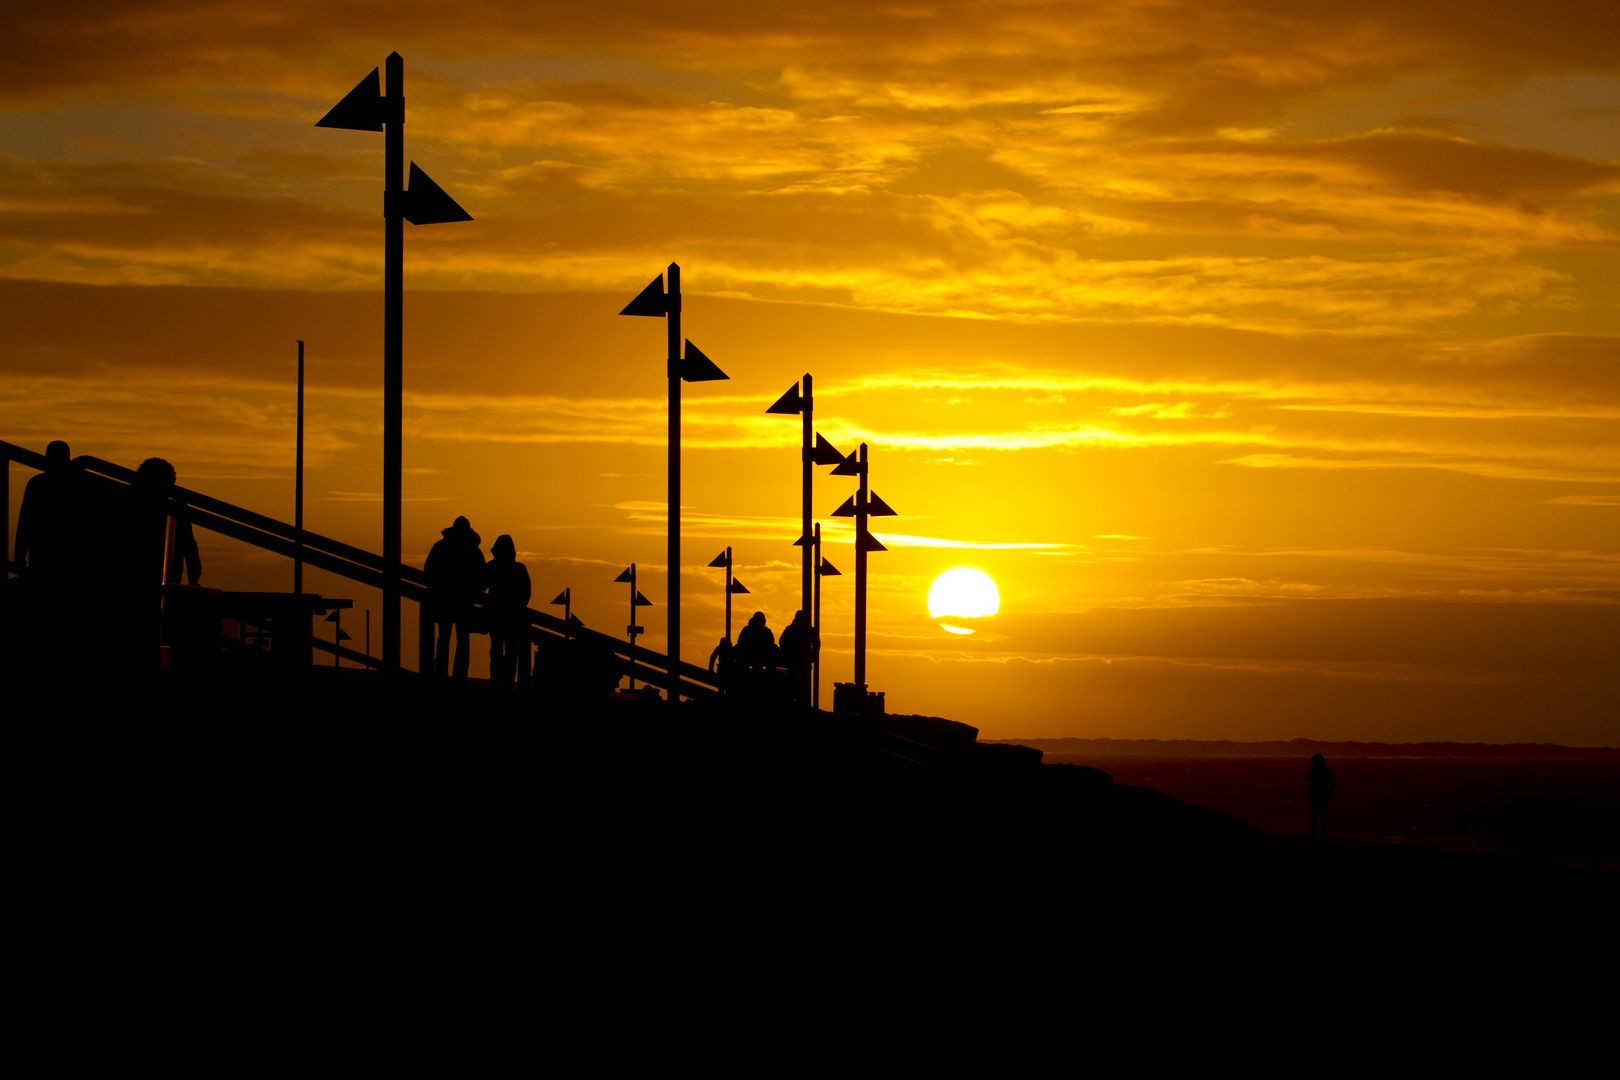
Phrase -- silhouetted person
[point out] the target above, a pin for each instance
(799, 645)
(722, 663)
(48, 526)
(150, 546)
(508, 609)
(756, 650)
(1320, 777)
(160, 541)
(455, 573)
(56, 582)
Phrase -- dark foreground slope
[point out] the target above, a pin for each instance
(318, 835)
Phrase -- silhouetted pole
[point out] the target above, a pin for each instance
(814, 451)
(425, 203)
(655, 302)
(864, 504)
(860, 575)
(733, 586)
(674, 600)
(393, 354)
(636, 600)
(566, 599)
(298, 484)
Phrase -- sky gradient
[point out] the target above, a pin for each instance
(1267, 355)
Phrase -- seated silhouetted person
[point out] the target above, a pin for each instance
(799, 645)
(508, 610)
(1320, 777)
(455, 573)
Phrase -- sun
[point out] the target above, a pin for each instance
(963, 593)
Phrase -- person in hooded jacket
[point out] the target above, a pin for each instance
(508, 608)
(455, 573)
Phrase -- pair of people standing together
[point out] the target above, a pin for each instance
(458, 579)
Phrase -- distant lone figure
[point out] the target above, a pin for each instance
(455, 573)
(1320, 777)
(508, 606)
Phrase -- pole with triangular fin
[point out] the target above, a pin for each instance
(424, 203)
(864, 504)
(566, 599)
(823, 569)
(655, 302)
(636, 600)
(733, 586)
(814, 451)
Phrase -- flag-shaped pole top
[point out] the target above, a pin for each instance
(426, 203)
(361, 108)
(627, 575)
(789, 404)
(650, 301)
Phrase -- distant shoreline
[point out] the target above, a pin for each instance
(1307, 747)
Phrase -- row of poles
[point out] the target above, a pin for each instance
(423, 202)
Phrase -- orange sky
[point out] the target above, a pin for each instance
(1264, 353)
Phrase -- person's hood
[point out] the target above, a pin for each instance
(461, 532)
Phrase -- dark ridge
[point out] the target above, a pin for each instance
(1304, 748)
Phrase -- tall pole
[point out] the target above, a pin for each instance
(807, 455)
(633, 628)
(393, 356)
(298, 483)
(674, 326)
(860, 576)
(728, 592)
(815, 621)
(367, 108)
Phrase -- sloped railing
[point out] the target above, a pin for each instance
(354, 564)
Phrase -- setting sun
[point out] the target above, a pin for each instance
(963, 594)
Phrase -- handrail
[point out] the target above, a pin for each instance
(360, 566)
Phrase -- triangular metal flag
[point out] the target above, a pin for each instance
(622, 577)
(573, 620)
(827, 569)
(650, 301)
(343, 635)
(878, 508)
(426, 203)
(332, 617)
(642, 601)
(846, 509)
(699, 368)
(868, 542)
(802, 541)
(825, 453)
(737, 587)
(850, 467)
(562, 597)
(718, 560)
(361, 108)
(789, 404)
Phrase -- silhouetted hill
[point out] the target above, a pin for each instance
(1304, 748)
(282, 821)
